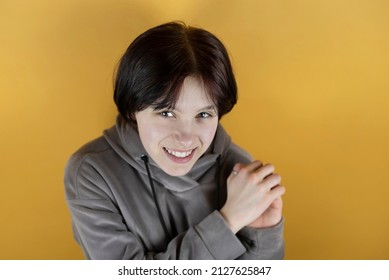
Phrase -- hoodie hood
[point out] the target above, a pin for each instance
(125, 141)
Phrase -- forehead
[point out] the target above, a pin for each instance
(193, 94)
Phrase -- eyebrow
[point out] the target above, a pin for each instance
(211, 107)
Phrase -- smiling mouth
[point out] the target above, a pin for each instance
(179, 156)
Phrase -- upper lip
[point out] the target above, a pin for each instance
(178, 150)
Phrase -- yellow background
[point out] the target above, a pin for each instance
(313, 84)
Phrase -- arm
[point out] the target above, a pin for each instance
(254, 204)
(259, 226)
(263, 243)
(101, 231)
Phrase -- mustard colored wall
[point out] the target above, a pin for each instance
(314, 99)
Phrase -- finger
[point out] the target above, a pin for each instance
(251, 167)
(277, 203)
(237, 167)
(271, 181)
(246, 168)
(265, 171)
(278, 191)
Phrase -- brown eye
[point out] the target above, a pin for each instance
(166, 114)
(204, 115)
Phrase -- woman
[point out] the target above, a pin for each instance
(166, 182)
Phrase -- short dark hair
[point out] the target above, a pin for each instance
(156, 63)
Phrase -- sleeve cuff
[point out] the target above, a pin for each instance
(221, 242)
(265, 243)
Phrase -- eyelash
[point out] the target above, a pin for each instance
(165, 114)
(204, 115)
(170, 114)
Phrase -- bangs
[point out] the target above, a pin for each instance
(169, 97)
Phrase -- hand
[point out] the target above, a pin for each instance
(270, 217)
(252, 191)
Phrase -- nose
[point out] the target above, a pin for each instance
(184, 135)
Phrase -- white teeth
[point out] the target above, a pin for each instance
(179, 154)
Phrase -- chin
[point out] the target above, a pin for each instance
(177, 171)
(176, 168)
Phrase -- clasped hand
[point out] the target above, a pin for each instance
(253, 196)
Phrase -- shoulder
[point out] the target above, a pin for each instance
(93, 148)
(237, 154)
(233, 155)
(83, 163)
(230, 152)
(224, 146)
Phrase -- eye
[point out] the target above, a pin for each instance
(166, 114)
(204, 115)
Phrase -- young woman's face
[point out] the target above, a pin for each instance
(176, 138)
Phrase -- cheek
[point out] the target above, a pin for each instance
(151, 131)
(208, 133)
(152, 136)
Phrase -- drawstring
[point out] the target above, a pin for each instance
(218, 187)
(146, 161)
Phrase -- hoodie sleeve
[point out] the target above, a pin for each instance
(264, 243)
(210, 239)
(99, 226)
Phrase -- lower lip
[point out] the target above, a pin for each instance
(180, 160)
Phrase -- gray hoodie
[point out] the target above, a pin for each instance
(115, 216)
